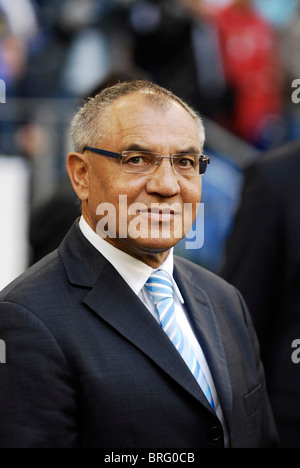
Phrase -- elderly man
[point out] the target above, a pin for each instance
(111, 341)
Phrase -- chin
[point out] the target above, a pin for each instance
(154, 246)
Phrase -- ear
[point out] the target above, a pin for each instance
(77, 168)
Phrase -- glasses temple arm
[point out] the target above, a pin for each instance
(110, 154)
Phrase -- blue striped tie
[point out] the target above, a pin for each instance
(161, 289)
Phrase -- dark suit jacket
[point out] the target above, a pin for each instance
(263, 262)
(88, 365)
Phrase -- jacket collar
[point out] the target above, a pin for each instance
(83, 263)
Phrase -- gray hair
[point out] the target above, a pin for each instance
(89, 121)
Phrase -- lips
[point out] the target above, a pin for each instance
(159, 215)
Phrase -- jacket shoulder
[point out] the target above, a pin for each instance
(33, 281)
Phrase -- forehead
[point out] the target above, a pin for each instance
(137, 117)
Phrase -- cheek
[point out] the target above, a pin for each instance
(191, 197)
(99, 193)
(109, 187)
(191, 192)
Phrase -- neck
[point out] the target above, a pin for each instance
(151, 257)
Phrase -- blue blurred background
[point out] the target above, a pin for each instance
(232, 60)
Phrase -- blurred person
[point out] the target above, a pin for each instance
(21, 17)
(111, 340)
(81, 20)
(100, 28)
(19, 26)
(263, 262)
(290, 37)
(220, 56)
(254, 73)
(179, 49)
(290, 40)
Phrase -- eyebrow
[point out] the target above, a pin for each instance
(190, 150)
(137, 147)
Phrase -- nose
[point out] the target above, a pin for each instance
(163, 181)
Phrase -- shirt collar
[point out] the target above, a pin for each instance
(133, 271)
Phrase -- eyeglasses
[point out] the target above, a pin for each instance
(146, 162)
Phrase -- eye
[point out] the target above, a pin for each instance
(189, 161)
(135, 160)
(186, 162)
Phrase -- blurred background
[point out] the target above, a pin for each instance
(232, 60)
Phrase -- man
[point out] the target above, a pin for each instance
(263, 261)
(111, 341)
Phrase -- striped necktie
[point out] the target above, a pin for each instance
(161, 290)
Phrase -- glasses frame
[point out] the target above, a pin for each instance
(203, 161)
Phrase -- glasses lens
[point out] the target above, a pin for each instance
(204, 161)
(186, 165)
(139, 162)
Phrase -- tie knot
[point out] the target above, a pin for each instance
(160, 286)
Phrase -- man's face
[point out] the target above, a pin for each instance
(134, 122)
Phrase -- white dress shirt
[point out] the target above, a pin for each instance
(136, 273)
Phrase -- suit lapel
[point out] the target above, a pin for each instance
(109, 296)
(203, 319)
(132, 320)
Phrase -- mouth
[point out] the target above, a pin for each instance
(159, 215)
